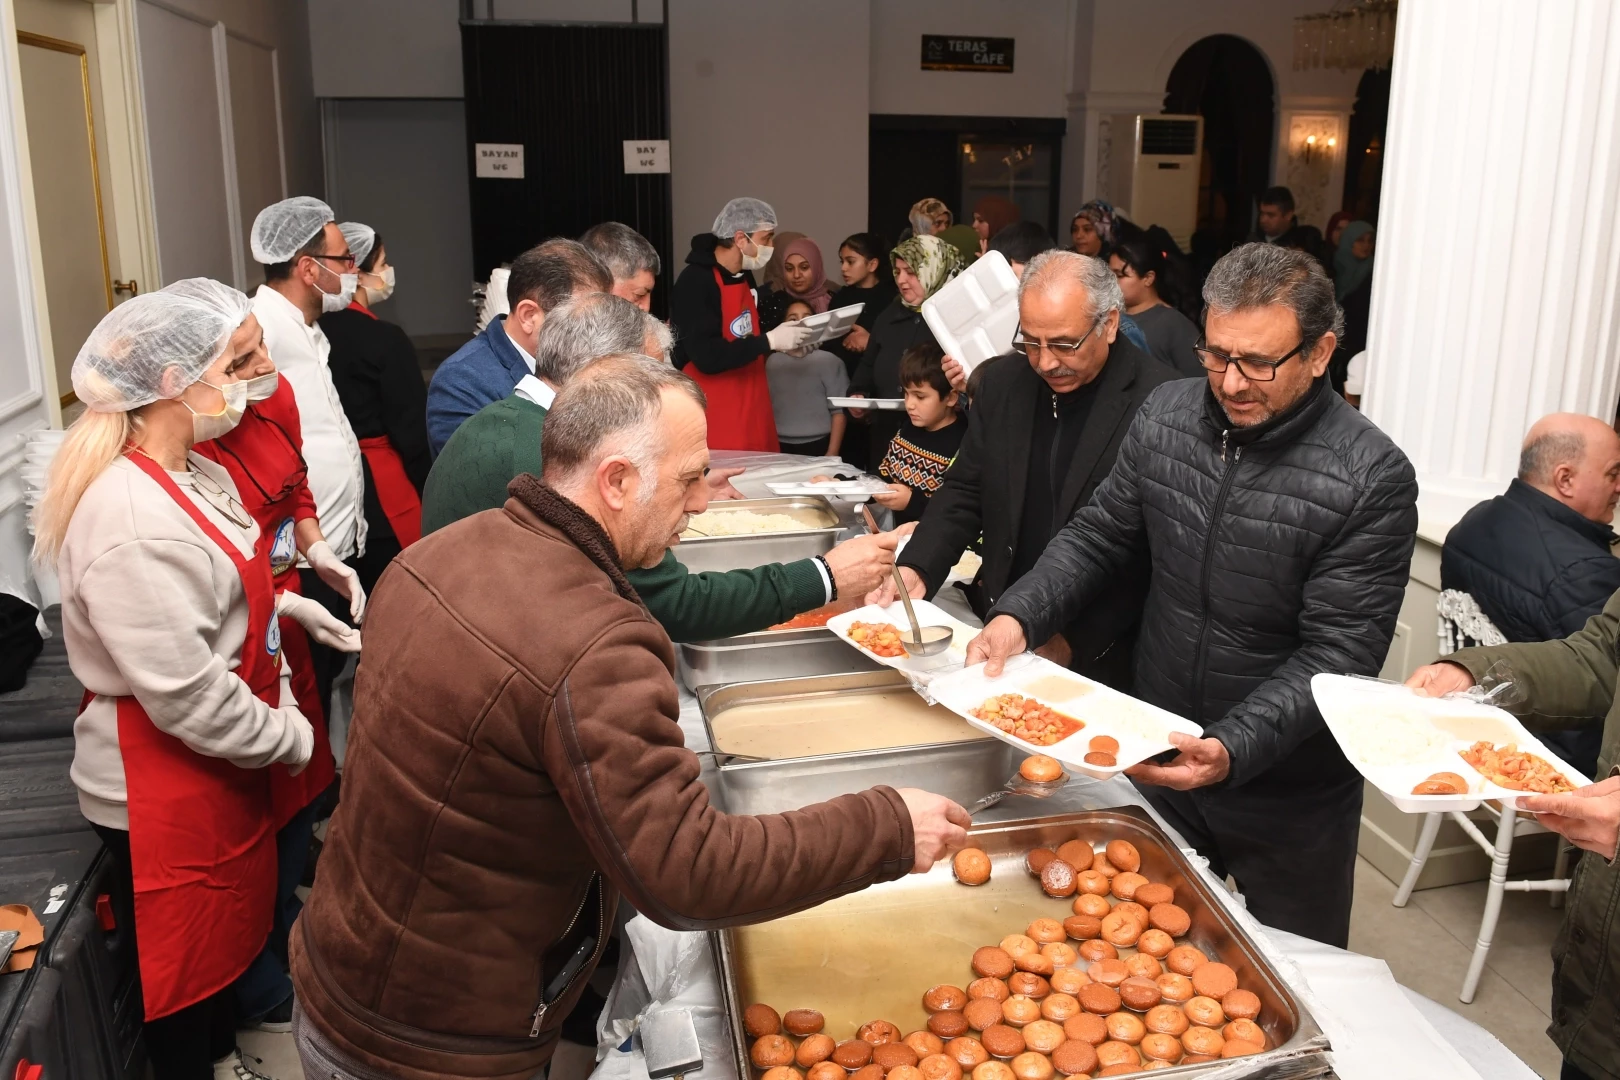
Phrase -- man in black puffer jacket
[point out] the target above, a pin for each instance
(1280, 524)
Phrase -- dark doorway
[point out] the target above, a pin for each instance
(571, 95)
(958, 159)
(1225, 80)
(1364, 168)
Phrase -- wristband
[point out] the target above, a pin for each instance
(832, 581)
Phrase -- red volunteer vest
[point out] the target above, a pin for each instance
(202, 836)
(740, 416)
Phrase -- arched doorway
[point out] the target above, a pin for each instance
(1364, 166)
(1227, 81)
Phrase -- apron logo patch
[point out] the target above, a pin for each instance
(272, 636)
(283, 549)
(743, 325)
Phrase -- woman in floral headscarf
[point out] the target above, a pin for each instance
(1092, 230)
(922, 265)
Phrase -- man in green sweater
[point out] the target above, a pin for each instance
(502, 441)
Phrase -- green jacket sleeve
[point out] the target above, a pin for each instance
(1567, 683)
(701, 607)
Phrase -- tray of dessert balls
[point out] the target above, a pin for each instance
(1044, 708)
(1429, 755)
(1082, 944)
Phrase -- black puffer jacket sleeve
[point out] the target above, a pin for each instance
(1083, 557)
(1351, 600)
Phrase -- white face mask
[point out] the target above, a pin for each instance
(261, 388)
(762, 255)
(339, 300)
(383, 292)
(205, 426)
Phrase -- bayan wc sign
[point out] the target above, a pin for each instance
(941, 52)
(498, 161)
(646, 155)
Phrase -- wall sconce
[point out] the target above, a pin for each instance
(1311, 148)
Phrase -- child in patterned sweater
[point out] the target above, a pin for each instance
(926, 444)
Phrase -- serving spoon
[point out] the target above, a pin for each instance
(924, 640)
(1019, 785)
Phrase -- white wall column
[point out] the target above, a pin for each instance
(1498, 259)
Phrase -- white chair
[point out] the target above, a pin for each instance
(1462, 624)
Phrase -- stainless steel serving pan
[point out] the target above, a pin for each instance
(769, 654)
(821, 531)
(871, 955)
(963, 771)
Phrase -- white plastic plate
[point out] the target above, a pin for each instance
(1345, 700)
(880, 403)
(846, 489)
(1143, 730)
(975, 314)
(831, 324)
(927, 615)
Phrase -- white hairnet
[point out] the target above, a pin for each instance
(157, 344)
(744, 215)
(361, 238)
(284, 227)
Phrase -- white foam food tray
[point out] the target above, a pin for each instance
(879, 403)
(928, 615)
(1142, 730)
(975, 314)
(831, 324)
(861, 489)
(1418, 737)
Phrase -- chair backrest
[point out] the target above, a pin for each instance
(1462, 623)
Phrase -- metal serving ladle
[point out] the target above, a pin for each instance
(924, 640)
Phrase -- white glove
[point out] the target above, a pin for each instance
(339, 575)
(788, 336)
(303, 748)
(317, 622)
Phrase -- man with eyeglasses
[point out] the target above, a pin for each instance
(1042, 434)
(307, 270)
(1279, 523)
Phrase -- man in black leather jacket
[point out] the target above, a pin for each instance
(1280, 524)
(1537, 558)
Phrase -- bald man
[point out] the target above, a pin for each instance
(1538, 558)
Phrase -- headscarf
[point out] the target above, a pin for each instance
(1338, 216)
(933, 261)
(964, 240)
(817, 295)
(938, 215)
(1349, 272)
(1102, 215)
(997, 212)
(772, 274)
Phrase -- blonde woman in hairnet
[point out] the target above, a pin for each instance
(169, 615)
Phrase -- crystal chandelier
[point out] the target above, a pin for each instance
(1352, 36)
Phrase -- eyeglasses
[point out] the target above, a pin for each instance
(346, 260)
(1254, 368)
(1029, 346)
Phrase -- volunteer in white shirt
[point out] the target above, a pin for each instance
(169, 614)
(308, 269)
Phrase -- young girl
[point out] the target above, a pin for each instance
(801, 382)
(1142, 270)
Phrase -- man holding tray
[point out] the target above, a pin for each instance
(1571, 684)
(1279, 524)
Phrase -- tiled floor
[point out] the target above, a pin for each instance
(1427, 945)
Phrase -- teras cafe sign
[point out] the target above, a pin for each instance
(941, 52)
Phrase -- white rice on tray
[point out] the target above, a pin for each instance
(1387, 733)
(741, 523)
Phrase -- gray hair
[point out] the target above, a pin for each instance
(1542, 455)
(624, 251)
(1259, 275)
(1052, 268)
(584, 328)
(610, 408)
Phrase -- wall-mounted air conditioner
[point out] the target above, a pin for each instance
(1153, 171)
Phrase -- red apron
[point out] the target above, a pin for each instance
(400, 501)
(740, 416)
(202, 839)
(263, 458)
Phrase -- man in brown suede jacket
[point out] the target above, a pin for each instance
(515, 765)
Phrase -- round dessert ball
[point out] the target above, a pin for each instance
(971, 866)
